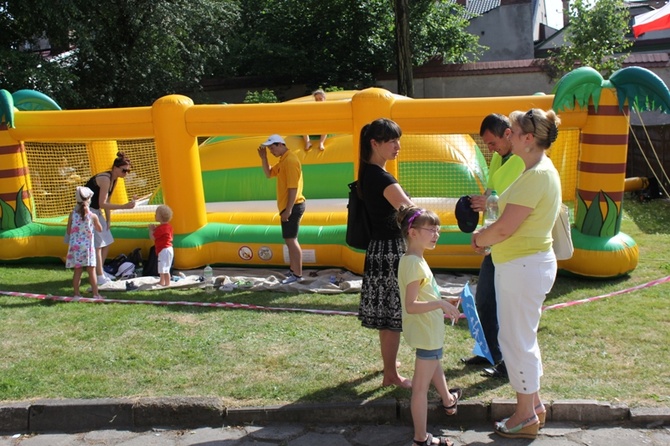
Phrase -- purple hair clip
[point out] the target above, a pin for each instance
(413, 217)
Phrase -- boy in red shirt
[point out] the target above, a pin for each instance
(162, 236)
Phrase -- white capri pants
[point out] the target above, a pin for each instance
(521, 287)
(165, 260)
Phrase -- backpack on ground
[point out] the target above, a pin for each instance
(113, 265)
(135, 257)
(151, 265)
(126, 271)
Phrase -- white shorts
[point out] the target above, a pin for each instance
(521, 287)
(104, 238)
(165, 260)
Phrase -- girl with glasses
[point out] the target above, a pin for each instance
(423, 311)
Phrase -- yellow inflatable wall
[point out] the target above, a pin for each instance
(243, 231)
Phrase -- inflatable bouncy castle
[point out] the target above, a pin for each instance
(224, 207)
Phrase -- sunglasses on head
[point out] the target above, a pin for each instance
(530, 116)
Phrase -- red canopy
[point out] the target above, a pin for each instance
(656, 20)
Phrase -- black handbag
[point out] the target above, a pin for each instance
(358, 224)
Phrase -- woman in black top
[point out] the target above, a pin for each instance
(102, 186)
(380, 297)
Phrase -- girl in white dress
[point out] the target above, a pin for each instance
(81, 251)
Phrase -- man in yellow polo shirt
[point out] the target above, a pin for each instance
(290, 200)
(504, 169)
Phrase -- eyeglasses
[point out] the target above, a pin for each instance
(529, 115)
(125, 170)
(433, 230)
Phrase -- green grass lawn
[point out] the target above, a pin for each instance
(613, 350)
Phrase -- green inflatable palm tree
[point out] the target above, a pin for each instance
(638, 87)
(23, 100)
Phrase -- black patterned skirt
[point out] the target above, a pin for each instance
(380, 298)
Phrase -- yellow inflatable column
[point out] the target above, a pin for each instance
(601, 250)
(14, 175)
(368, 105)
(102, 155)
(179, 164)
(602, 160)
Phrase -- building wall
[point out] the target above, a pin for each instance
(515, 18)
(510, 78)
(518, 84)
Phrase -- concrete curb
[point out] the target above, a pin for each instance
(41, 416)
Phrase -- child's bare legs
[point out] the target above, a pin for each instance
(93, 280)
(165, 257)
(164, 279)
(76, 280)
(308, 144)
(440, 383)
(425, 372)
(322, 141)
(294, 255)
(390, 342)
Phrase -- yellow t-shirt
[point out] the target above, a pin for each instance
(424, 330)
(501, 175)
(538, 188)
(289, 176)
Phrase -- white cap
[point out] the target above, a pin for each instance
(273, 139)
(83, 193)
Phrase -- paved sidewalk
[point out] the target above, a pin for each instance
(205, 422)
(285, 434)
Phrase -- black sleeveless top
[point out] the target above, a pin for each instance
(381, 212)
(93, 185)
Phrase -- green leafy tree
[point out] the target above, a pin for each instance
(260, 97)
(24, 22)
(595, 37)
(131, 52)
(342, 42)
(126, 52)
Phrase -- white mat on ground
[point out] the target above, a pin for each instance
(323, 281)
(149, 283)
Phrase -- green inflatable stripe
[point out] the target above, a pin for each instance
(602, 244)
(250, 184)
(312, 235)
(226, 232)
(243, 184)
(215, 139)
(327, 181)
(437, 179)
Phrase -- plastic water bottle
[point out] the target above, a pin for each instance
(207, 274)
(491, 213)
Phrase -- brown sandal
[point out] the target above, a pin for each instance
(441, 441)
(452, 410)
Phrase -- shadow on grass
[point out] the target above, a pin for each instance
(348, 391)
(651, 217)
(566, 284)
